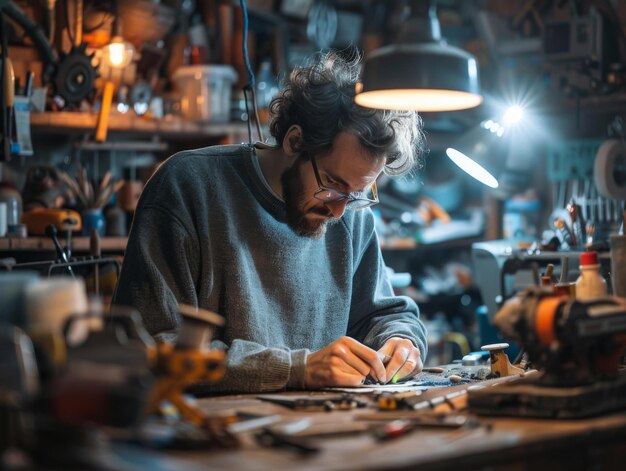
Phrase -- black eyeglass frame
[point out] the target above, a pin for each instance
(354, 202)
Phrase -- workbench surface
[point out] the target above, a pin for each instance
(491, 443)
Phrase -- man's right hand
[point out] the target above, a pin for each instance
(345, 362)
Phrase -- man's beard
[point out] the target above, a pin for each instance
(295, 200)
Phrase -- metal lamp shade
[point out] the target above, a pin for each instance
(420, 77)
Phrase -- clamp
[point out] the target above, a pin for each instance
(500, 364)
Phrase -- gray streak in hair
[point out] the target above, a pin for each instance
(320, 99)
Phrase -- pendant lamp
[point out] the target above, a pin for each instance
(420, 72)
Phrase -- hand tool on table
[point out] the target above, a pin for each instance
(270, 438)
(500, 364)
(316, 403)
(394, 429)
(435, 401)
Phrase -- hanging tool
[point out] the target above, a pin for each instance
(8, 91)
(94, 249)
(51, 231)
(578, 223)
(102, 126)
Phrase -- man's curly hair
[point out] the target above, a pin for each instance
(320, 99)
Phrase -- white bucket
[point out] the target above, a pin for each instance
(205, 91)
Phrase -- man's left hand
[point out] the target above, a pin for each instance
(405, 359)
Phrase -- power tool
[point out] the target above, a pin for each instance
(576, 345)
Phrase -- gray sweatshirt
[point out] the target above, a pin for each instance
(209, 232)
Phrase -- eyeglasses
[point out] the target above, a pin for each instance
(356, 199)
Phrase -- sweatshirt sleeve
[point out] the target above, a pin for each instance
(253, 368)
(159, 269)
(160, 272)
(376, 313)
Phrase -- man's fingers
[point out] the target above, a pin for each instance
(347, 356)
(399, 358)
(370, 357)
(409, 367)
(405, 361)
(383, 357)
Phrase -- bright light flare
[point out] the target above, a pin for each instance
(513, 115)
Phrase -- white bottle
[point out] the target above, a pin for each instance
(590, 284)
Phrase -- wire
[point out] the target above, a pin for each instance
(245, 99)
(252, 83)
(79, 22)
(246, 59)
(68, 21)
(51, 19)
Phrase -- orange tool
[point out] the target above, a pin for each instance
(102, 125)
(37, 219)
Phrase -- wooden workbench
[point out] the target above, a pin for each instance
(494, 444)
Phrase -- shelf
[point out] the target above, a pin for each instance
(408, 244)
(75, 122)
(79, 244)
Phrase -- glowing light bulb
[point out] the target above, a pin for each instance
(119, 52)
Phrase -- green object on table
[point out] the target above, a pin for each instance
(395, 378)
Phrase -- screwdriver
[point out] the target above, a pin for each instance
(394, 429)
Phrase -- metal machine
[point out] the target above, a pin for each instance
(189, 361)
(63, 389)
(576, 345)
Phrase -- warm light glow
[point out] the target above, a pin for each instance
(418, 99)
(513, 115)
(472, 168)
(119, 53)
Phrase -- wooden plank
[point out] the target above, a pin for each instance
(79, 244)
(130, 123)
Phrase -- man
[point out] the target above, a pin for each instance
(272, 238)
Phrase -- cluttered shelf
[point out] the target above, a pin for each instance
(171, 127)
(118, 244)
(79, 244)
